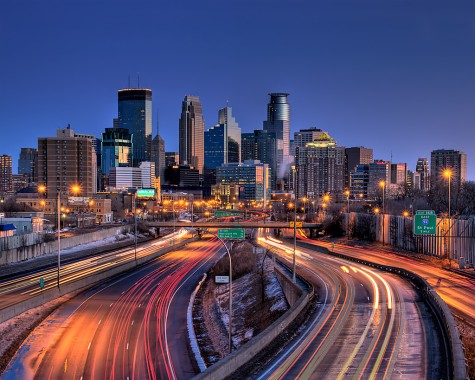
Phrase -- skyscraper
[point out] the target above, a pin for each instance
(116, 149)
(248, 146)
(135, 114)
(225, 116)
(191, 133)
(26, 162)
(278, 122)
(354, 157)
(320, 167)
(422, 167)
(6, 184)
(64, 161)
(158, 156)
(222, 143)
(454, 160)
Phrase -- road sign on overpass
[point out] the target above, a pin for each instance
(231, 233)
(425, 222)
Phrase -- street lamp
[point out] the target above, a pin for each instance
(294, 170)
(230, 287)
(382, 184)
(347, 193)
(448, 175)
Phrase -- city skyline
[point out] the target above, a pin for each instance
(396, 77)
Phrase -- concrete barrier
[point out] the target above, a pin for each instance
(25, 247)
(231, 363)
(291, 290)
(442, 312)
(84, 283)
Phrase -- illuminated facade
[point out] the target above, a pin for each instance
(252, 177)
(67, 160)
(116, 149)
(191, 133)
(6, 184)
(320, 167)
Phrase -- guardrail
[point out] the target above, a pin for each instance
(458, 369)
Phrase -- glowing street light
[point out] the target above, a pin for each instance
(347, 193)
(448, 175)
(382, 184)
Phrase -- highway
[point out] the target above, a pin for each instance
(20, 288)
(367, 324)
(129, 328)
(456, 290)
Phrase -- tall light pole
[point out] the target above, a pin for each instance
(59, 235)
(382, 184)
(448, 174)
(347, 193)
(134, 209)
(230, 288)
(295, 226)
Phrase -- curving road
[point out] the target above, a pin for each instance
(368, 324)
(130, 328)
(456, 290)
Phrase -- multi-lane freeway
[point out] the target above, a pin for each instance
(368, 324)
(133, 327)
(365, 323)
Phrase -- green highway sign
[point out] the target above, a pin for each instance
(42, 282)
(231, 233)
(425, 222)
(226, 213)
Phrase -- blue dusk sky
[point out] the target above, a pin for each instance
(395, 76)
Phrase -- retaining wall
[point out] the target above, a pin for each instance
(18, 248)
(231, 363)
(291, 290)
(440, 308)
(51, 294)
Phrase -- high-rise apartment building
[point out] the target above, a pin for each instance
(135, 115)
(191, 133)
(148, 174)
(6, 184)
(116, 149)
(26, 162)
(64, 161)
(422, 167)
(305, 136)
(320, 167)
(453, 160)
(278, 123)
(158, 156)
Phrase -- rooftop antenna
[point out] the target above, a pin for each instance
(227, 103)
(138, 80)
(129, 82)
(391, 156)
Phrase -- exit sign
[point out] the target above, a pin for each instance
(425, 222)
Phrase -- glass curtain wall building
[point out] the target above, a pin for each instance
(135, 115)
(116, 149)
(278, 122)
